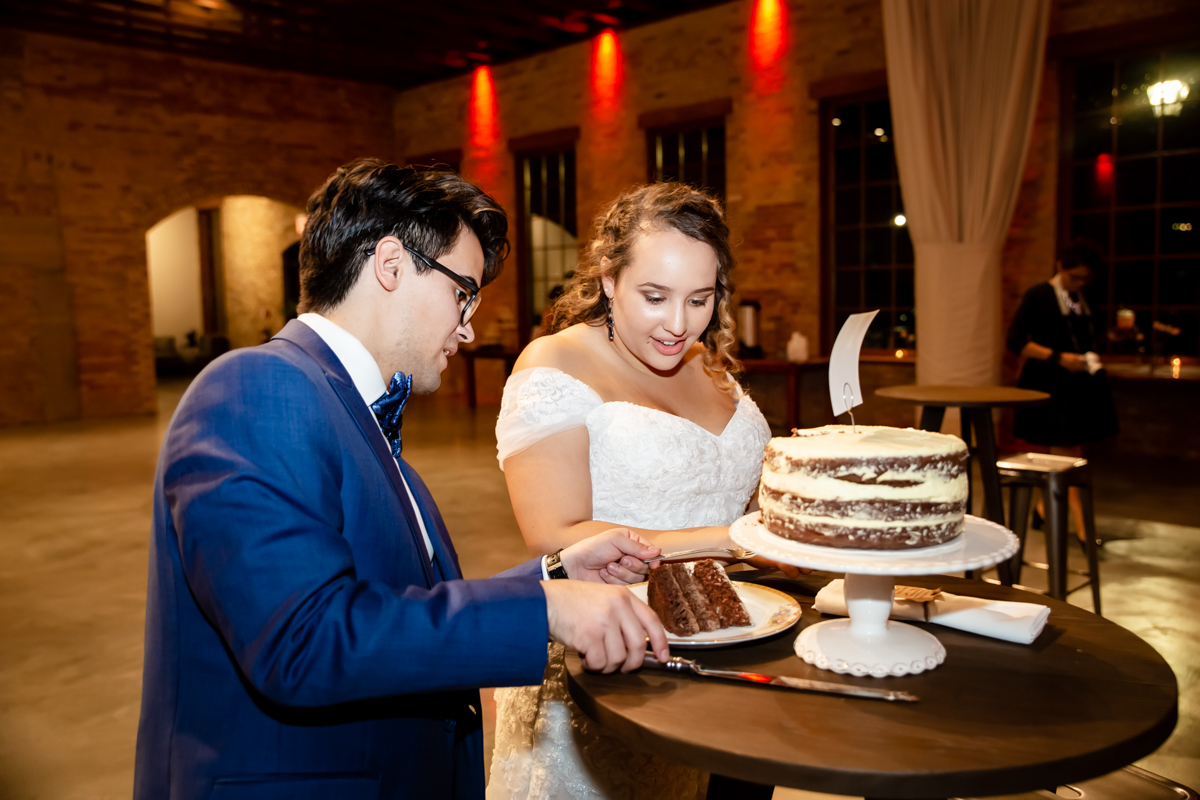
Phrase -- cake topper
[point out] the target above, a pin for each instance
(844, 390)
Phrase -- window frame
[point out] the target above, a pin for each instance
(865, 90)
(1104, 314)
(686, 119)
(537, 145)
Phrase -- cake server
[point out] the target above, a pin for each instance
(736, 553)
(678, 664)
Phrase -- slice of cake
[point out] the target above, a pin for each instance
(695, 596)
(872, 488)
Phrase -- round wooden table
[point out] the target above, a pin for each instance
(976, 404)
(1087, 698)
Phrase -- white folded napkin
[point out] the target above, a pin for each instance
(999, 619)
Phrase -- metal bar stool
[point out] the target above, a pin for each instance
(1053, 475)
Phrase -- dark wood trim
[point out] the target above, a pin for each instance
(682, 115)
(848, 84)
(825, 150)
(205, 222)
(521, 250)
(450, 158)
(546, 141)
(1155, 33)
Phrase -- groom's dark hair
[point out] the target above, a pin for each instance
(368, 199)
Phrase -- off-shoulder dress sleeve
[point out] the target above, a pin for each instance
(539, 403)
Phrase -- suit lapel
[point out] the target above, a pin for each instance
(447, 558)
(314, 346)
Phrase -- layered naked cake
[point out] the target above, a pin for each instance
(868, 487)
(695, 596)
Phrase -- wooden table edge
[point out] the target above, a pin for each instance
(992, 781)
(1033, 398)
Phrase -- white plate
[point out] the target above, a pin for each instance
(771, 611)
(981, 544)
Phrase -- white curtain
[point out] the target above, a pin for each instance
(963, 76)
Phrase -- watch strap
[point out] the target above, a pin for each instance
(554, 566)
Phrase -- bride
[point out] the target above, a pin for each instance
(628, 414)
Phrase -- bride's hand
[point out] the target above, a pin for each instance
(616, 556)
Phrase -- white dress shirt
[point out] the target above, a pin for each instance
(367, 378)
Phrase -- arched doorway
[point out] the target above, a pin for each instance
(216, 274)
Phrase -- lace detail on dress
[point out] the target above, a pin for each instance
(649, 469)
(539, 403)
(654, 470)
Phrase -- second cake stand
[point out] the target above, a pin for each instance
(868, 643)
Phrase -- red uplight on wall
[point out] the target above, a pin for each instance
(1104, 175)
(768, 32)
(483, 116)
(607, 69)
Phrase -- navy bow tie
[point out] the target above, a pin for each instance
(389, 409)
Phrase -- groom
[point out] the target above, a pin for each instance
(308, 631)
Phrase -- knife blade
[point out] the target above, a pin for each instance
(678, 664)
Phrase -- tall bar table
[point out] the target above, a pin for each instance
(976, 404)
(1085, 699)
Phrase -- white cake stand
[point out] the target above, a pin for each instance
(868, 643)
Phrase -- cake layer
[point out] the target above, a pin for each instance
(719, 591)
(694, 596)
(867, 487)
(863, 509)
(667, 599)
(848, 534)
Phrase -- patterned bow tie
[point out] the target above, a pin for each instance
(389, 409)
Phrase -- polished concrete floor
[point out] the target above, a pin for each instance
(74, 519)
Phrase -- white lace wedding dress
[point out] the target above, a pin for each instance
(649, 469)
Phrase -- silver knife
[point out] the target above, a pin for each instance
(677, 664)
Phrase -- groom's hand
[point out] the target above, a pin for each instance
(616, 556)
(606, 624)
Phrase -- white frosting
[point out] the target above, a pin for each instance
(873, 524)
(862, 448)
(866, 441)
(931, 486)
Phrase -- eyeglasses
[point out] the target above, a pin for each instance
(468, 296)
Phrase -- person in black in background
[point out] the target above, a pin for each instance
(1055, 335)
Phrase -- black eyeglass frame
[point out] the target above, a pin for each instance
(473, 289)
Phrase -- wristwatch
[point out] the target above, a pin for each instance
(554, 566)
(1055, 357)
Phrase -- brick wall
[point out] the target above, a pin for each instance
(97, 143)
(255, 232)
(772, 147)
(100, 142)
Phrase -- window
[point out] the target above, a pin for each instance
(1132, 185)
(549, 247)
(867, 253)
(692, 153)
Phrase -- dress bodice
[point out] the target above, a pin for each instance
(649, 468)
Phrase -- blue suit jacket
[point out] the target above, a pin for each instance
(299, 643)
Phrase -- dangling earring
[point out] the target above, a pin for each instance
(609, 323)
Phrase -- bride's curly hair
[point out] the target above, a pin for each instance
(646, 209)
